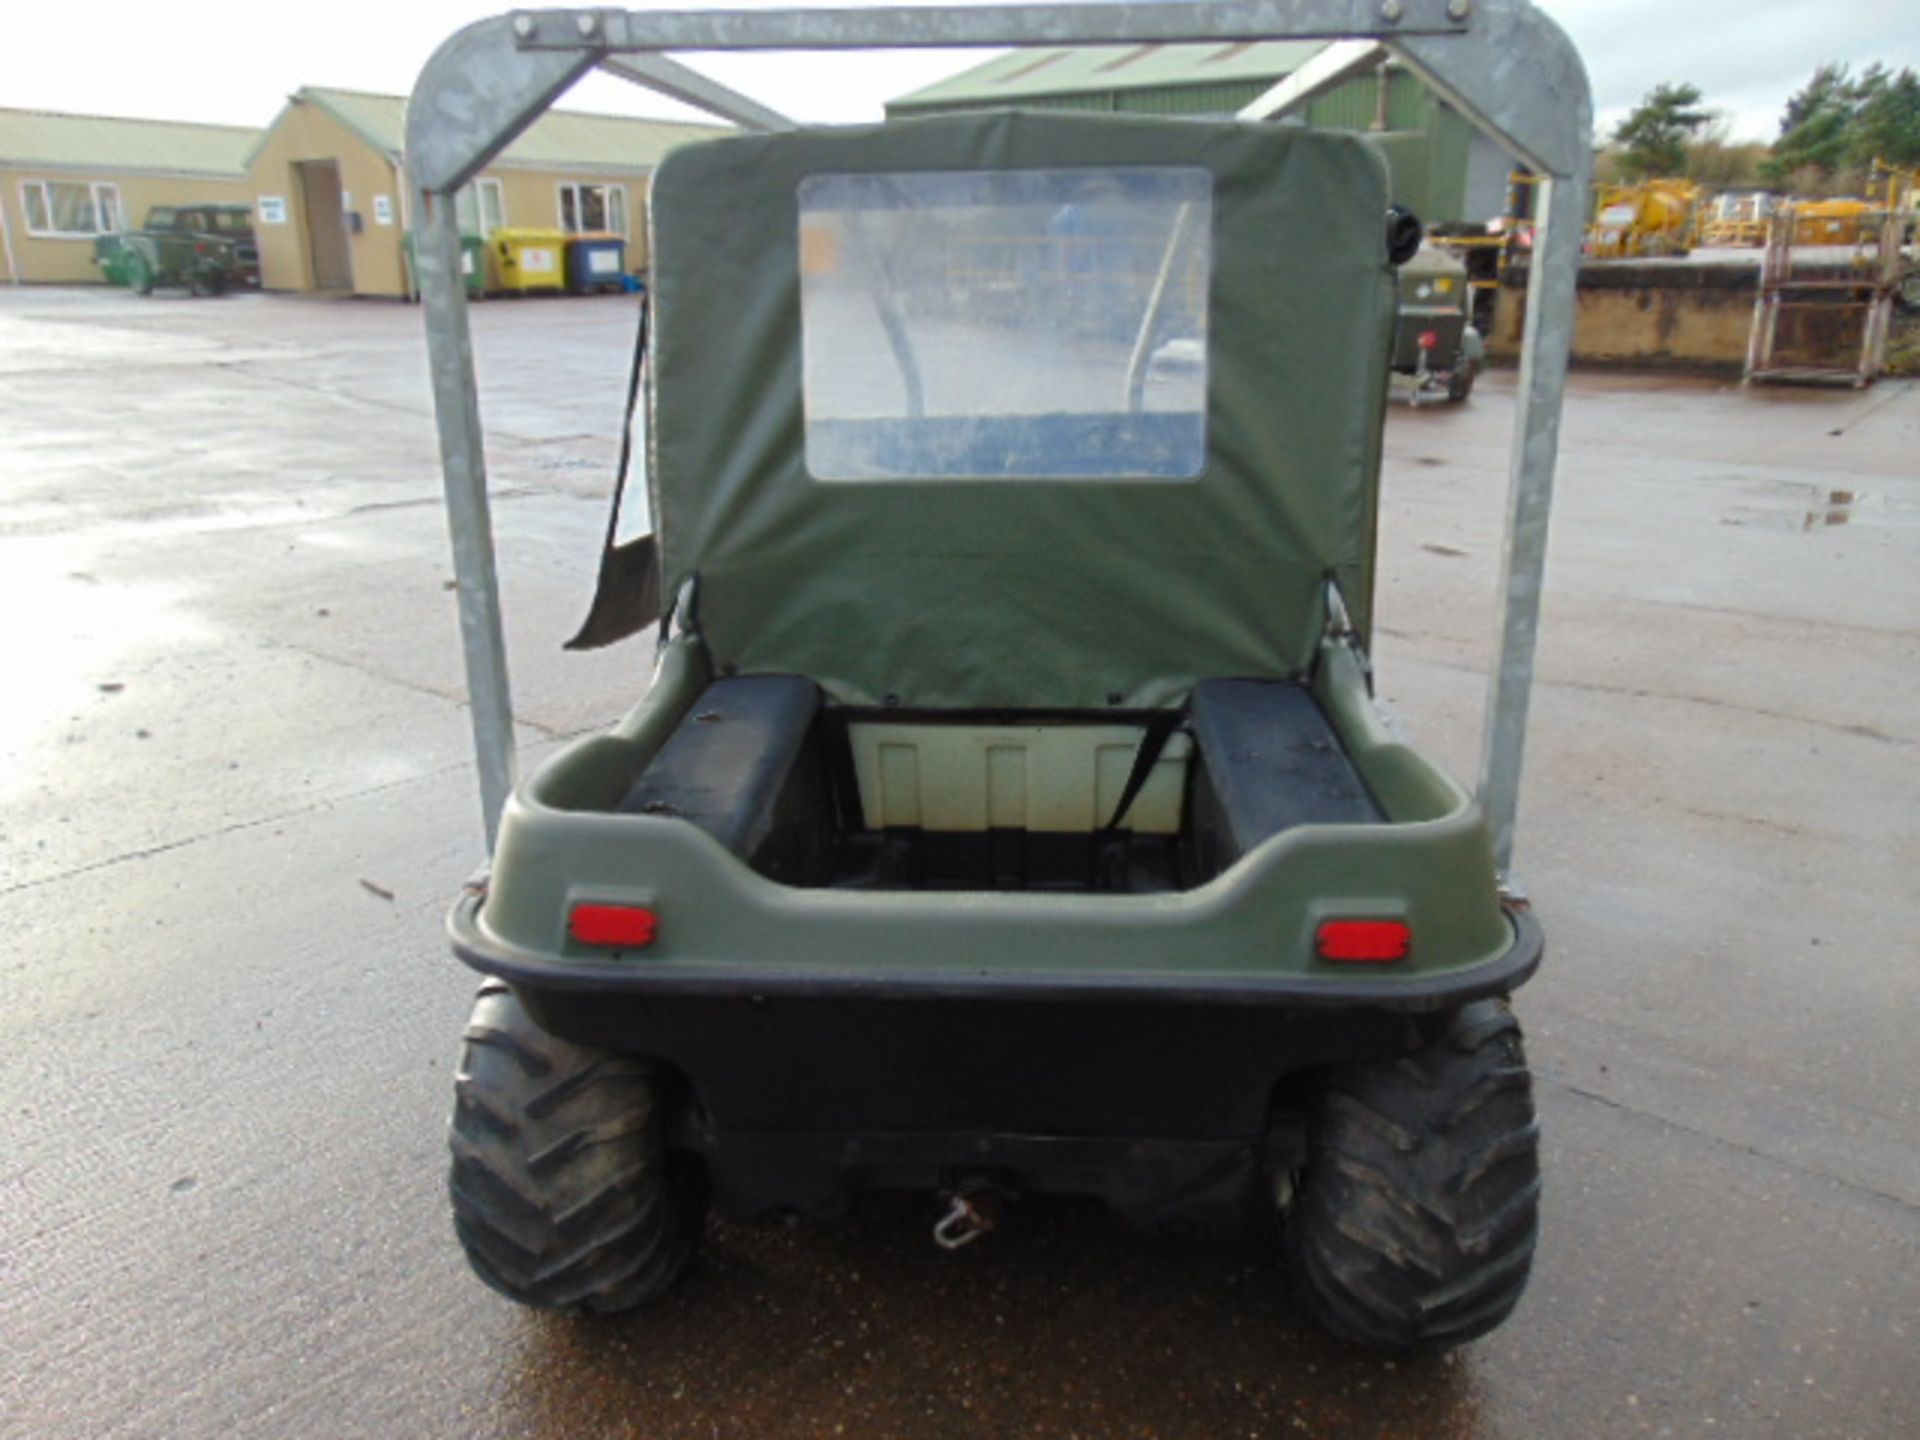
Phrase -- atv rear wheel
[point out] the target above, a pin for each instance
(139, 274)
(1418, 1211)
(565, 1196)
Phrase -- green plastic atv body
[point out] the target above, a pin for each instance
(1009, 806)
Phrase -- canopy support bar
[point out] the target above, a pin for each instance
(1338, 61)
(456, 407)
(1499, 62)
(690, 87)
(1536, 437)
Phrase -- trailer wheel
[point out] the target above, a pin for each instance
(1906, 298)
(1460, 381)
(1418, 1211)
(565, 1196)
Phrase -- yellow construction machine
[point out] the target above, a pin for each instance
(1852, 220)
(1830, 222)
(1652, 218)
(1738, 217)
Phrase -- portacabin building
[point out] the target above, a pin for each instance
(326, 181)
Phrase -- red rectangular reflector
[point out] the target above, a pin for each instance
(1363, 941)
(626, 926)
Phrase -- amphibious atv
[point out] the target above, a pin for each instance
(1009, 810)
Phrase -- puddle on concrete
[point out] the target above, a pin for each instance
(74, 661)
(1838, 510)
(1817, 507)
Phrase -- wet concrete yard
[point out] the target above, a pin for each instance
(235, 798)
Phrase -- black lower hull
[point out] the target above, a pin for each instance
(1173, 1098)
(1171, 1112)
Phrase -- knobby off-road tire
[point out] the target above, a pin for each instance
(1906, 298)
(1460, 382)
(1418, 1212)
(564, 1196)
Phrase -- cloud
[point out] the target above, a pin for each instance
(1746, 55)
(1746, 58)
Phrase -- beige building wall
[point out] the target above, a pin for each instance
(68, 260)
(532, 199)
(275, 186)
(304, 132)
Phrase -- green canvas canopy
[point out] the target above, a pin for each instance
(1018, 410)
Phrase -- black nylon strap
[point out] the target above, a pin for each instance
(1160, 729)
(626, 424)
(626, 595)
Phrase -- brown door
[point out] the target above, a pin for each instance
(326, 225)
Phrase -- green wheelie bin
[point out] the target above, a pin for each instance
(473, 266)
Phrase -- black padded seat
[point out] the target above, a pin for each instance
(742, 768)
(1268, 761)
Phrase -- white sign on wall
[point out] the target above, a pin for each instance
(271, 209)
(383, 209)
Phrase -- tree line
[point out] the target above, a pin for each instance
(1831, 131)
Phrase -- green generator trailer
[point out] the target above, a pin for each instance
(1009, 810)
(1437, 352)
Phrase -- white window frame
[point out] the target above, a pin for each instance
(624, 229)
(478, 190)
(96, 190)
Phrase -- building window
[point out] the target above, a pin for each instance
(481, 208)
(593, 207)
(62, 208)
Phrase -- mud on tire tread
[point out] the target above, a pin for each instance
(1419, 1210)
(564, 1196)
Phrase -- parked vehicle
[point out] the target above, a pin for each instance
(1437, 351)
(1651, 220)
(1009, 810)
(1841, 221)
(1738, 217)
(208, 249)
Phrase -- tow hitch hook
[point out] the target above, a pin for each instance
(975, 1211)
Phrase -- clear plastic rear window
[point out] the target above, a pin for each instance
(1007, 324)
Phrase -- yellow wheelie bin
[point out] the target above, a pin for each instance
(530, 259)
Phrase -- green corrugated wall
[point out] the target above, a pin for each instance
(1030, 102)
(1352, 106)
(1425, 142)
(1218, 97)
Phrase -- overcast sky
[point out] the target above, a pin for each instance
(224, 61)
